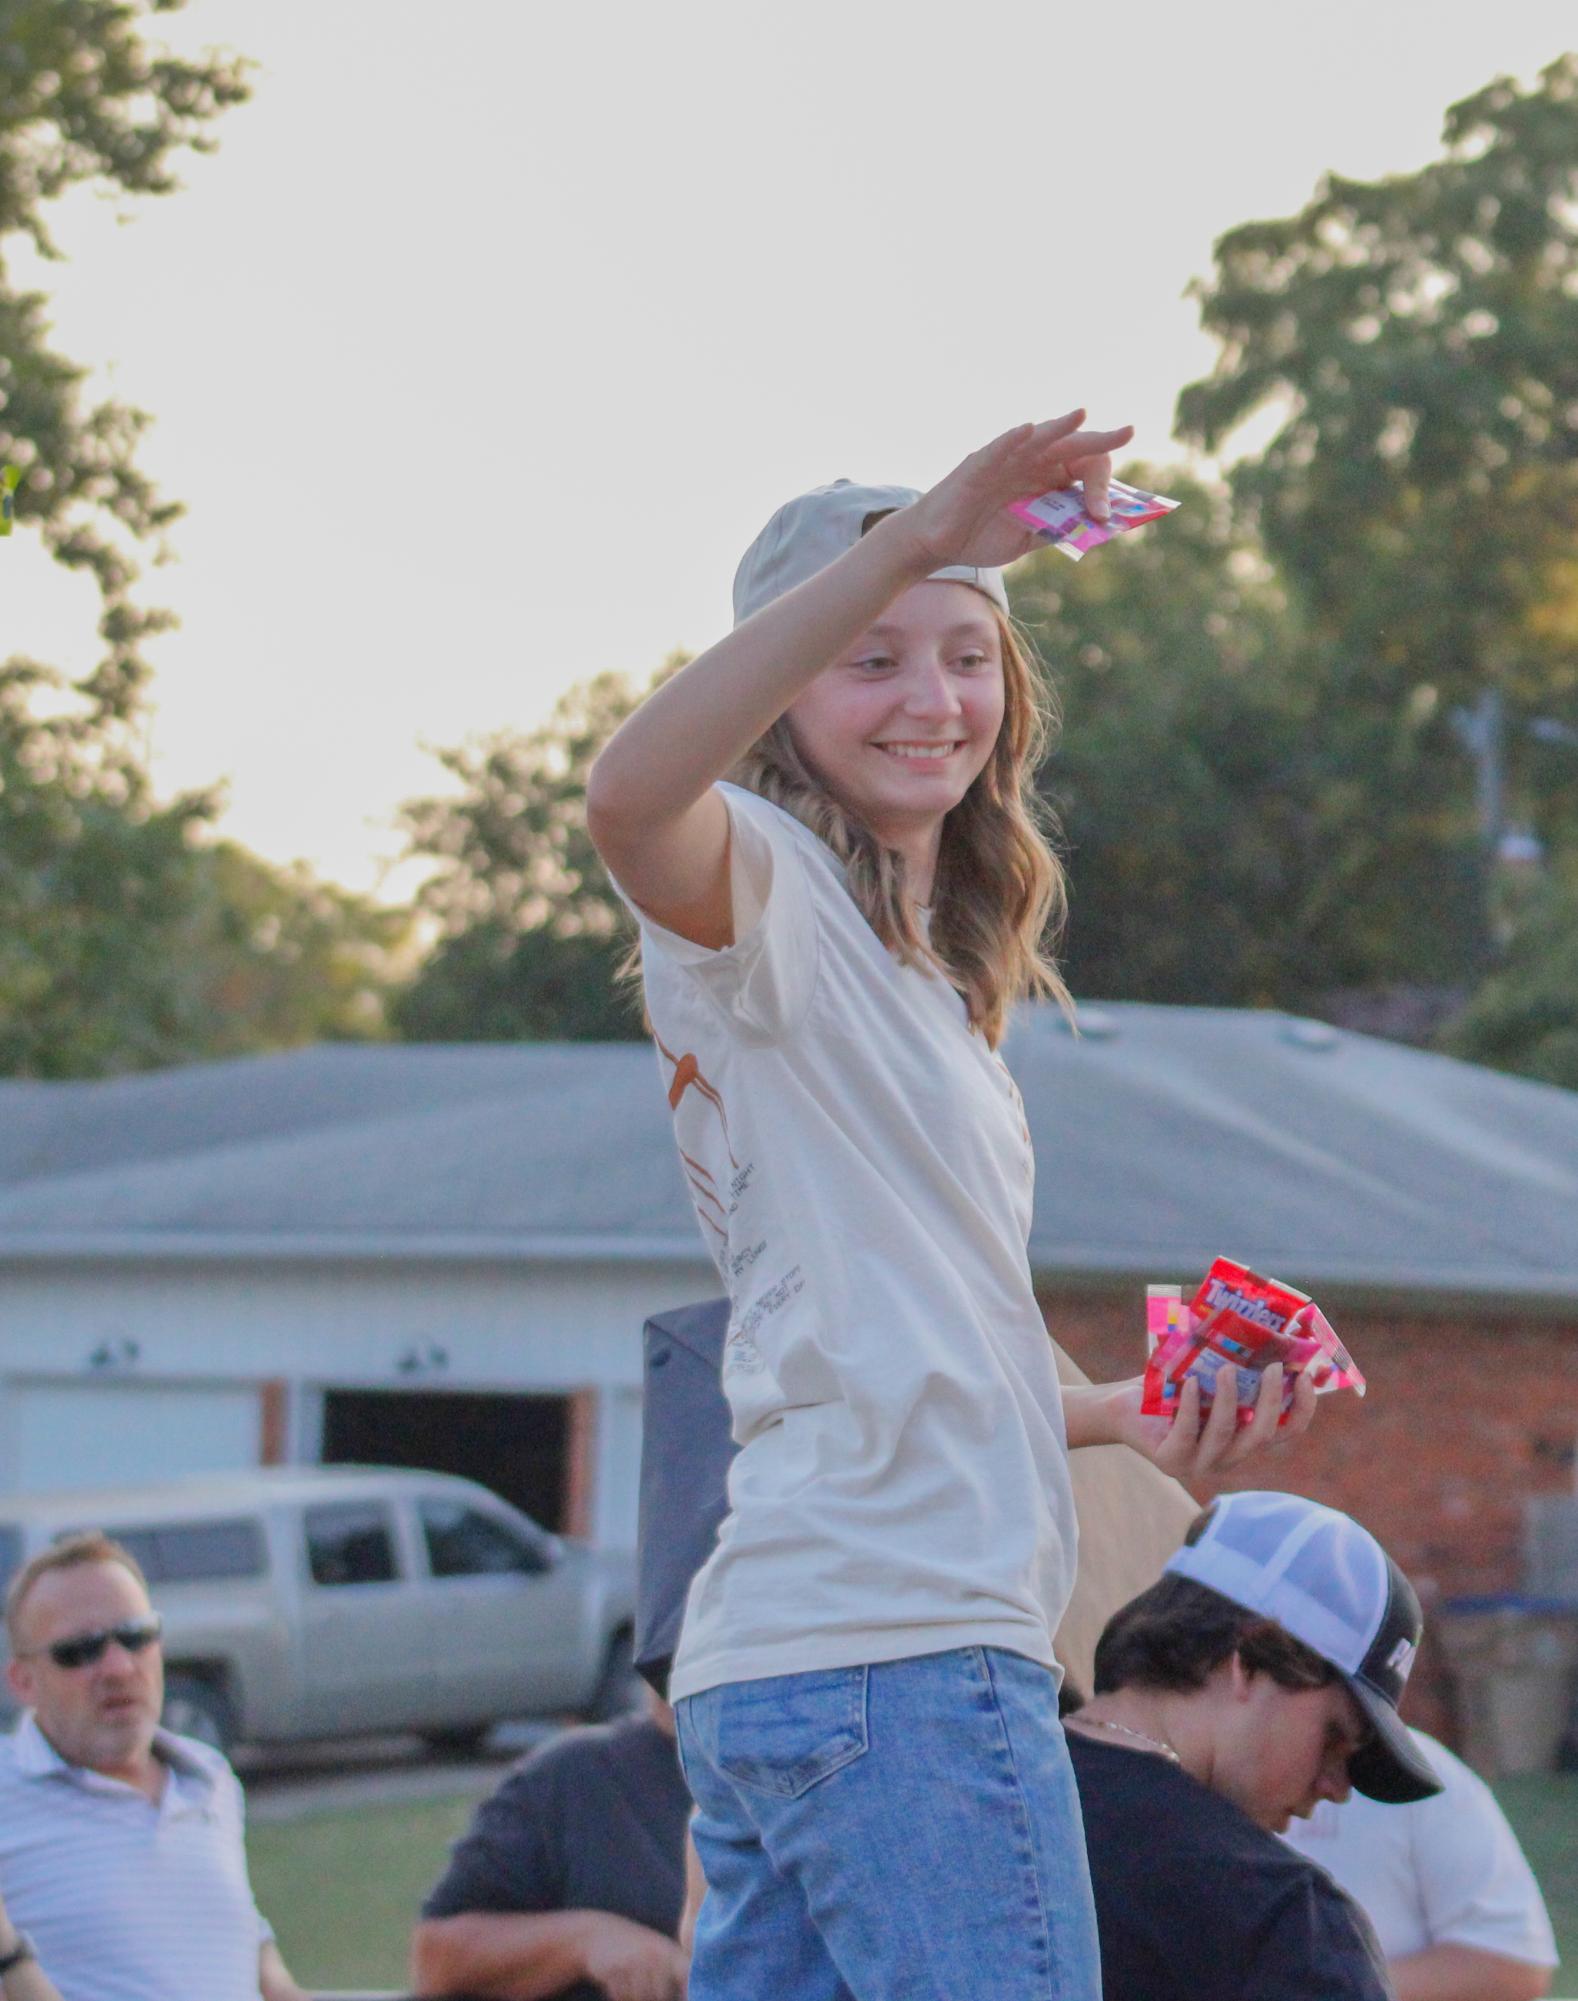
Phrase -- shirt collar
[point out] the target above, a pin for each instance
(37, 1758)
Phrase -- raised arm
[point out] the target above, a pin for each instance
(650, 806)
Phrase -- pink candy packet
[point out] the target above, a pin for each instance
(1241, 1321)
(1059, 517)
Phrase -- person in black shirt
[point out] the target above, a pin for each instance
(571, 1878)
(1260, 1676)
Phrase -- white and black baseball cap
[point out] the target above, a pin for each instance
(1329, 1583)
(815, 529)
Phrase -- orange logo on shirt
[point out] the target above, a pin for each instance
(688, 1077)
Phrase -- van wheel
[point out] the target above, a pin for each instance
(620, 1689)
(195, 1707)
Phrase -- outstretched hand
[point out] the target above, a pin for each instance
(963, 518)
(1186, 1448)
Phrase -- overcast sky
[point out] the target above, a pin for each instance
(494, 330)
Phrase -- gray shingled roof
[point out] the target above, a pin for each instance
(1163, 1136)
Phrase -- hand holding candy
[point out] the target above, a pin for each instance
(969, 517)
(1075, 520)
(1179, 1443)
(1242, 1322)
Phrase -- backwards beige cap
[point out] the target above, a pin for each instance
(807, 534)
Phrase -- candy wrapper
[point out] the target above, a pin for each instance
(1241, 1321)
(1059, 517)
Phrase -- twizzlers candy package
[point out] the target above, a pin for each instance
(1059, 517)
(1240, 1320)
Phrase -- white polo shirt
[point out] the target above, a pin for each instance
(127, 1900)
(1443, 1871)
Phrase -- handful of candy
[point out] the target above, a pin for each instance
(1060, 516)
(1241, 1322)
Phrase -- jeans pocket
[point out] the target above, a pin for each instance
(788, 1732)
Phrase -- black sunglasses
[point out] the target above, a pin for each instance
(87, 1648)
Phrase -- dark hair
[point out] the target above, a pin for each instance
(1175, 1635)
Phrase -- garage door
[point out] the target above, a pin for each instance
(110, 1434)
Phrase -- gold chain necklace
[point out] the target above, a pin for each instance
(1156, 1743)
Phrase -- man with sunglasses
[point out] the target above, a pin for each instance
(121, 1855)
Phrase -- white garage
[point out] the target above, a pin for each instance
(59, 1433)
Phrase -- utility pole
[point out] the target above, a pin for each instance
(1482, 732)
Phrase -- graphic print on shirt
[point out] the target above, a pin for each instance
(716, 1204)
(708, 1202)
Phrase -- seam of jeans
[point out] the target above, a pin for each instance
(1049, 1975)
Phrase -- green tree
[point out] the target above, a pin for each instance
(1414, 343)
(1205, 832)
(531, 933)
(129, 937)
(129, 940)
(283, 959)
(84, 100)
(1524, 1017)
(91, 875)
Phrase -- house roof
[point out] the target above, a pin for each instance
(1163, 1136)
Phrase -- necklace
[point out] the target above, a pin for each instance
(1156, 1743)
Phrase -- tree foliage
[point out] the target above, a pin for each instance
(1413, 345)
(128, 941)
(1524, 1017)
(1212, 854)
(531, 933)
(129, 937)
(83, 100)
(1417, 338)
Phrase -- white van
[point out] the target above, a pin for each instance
(333, 1601)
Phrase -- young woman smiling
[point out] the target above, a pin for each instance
(826, 827)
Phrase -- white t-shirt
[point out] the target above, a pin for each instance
(1443, 1871)
(861, 1169)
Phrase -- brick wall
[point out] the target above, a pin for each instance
(1462, 1420)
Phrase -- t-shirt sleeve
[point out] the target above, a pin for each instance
(762, 983)
(1475, 1884)
(507, 1860)
(1315, 1941)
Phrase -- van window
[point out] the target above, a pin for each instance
(350, 1542)
(197, 1552)
(464, 1542)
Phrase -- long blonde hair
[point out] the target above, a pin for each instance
(999, 899)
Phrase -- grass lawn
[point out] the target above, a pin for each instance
(342, 1889)
(1544, 1813)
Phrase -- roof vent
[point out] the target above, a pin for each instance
(1306, 1034)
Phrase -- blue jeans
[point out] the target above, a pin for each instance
(889, 1833)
